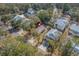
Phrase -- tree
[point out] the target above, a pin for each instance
(2, 32)
(44, 16)
(28, 25)
(51, 43)
(5, 18)
(16, 47)
(50, 12)
(35, 19)
(66, 8)
(16, 24)
(67, 49)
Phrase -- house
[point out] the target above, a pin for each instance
(61, 23)
(53, 34)
(74, 29)
(30, 12)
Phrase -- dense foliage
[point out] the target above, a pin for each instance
(16, 47)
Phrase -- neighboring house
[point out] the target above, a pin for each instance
(30, 12)
(61, 23)
(74, 29)
(53, 34)
(40, 29)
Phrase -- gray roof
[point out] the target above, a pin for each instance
(75, 29)
(53, 34)
(61, 24)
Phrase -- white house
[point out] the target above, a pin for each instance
(74, 29)
(53, 34)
